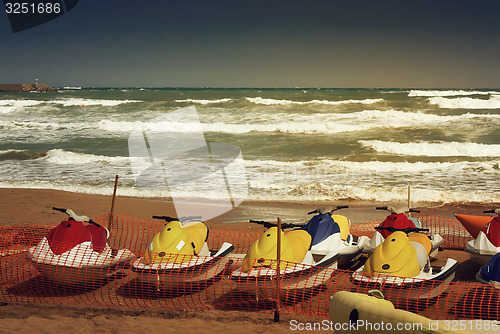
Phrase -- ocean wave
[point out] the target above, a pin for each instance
(325, 166)
(313, 192)
(304, 180)
(260, 100)
(317, 191)
(430, 149)
(13, 154)
(62, 157)
(12, 125)
(447, 92)
(128, 127)
(466, 102)
(204, 101)
(300, 125)
(7, 106)
(91, 102)
(311, 123)
(22, 103)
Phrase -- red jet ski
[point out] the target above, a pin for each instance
(76, 252)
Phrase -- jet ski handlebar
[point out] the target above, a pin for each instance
(182, 219)
(406, 230)
(394, 210)
(328, 210)
(269, 224)
(76, 217)
(495, 211)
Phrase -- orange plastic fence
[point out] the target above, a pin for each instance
(119, 280)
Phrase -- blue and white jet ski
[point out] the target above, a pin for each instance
(298, 270)
(330, 233)
(490, 273)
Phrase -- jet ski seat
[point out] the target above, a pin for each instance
(183, 242)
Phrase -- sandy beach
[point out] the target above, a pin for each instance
(33, 207)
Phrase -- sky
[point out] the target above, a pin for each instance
(330, 43)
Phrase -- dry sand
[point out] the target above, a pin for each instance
(34, 206)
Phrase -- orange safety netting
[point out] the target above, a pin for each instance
(118, 280)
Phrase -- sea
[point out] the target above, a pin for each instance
(296, 145)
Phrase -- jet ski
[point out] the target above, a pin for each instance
(487, 242)
(473, 224)
(178, 257)
(297, 269)
(403, 260)
(330, 233)
(76, 252)
(399, 220)
(490, 273)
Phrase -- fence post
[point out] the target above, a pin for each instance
(278, 274)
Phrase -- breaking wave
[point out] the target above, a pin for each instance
(431, 149)
(307, 123)
(91, 102)
(466, 102)
(204, 101)
(62, 157)
(260, 100)
(447, 92)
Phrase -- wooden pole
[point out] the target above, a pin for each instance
(409, 200)
(110, 220)
(278, 274)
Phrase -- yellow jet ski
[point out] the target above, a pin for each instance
(403, 260)
(178, 256)
(297, 268)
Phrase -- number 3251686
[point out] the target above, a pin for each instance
(31, 8)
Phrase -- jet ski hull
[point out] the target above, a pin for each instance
(349, 251)
(78, 266)
(425, 281)
(184, 276)
(301, 277)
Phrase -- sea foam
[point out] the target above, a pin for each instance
(466, 102)
(62, 157)
(447, 92)
(204, 101)
(260, 100)
(91, 102)
(316, 123)
(432, 149)
(7, 106)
